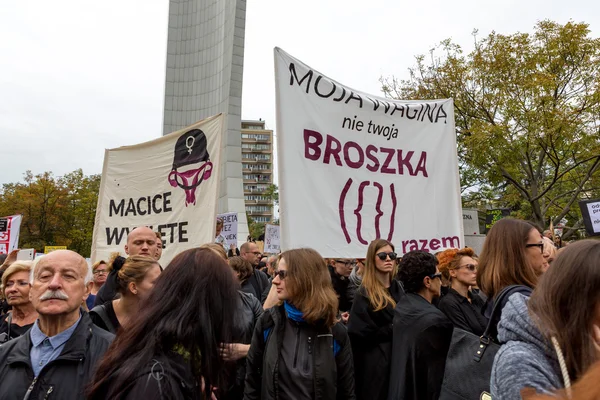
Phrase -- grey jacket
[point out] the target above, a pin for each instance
(526, 358)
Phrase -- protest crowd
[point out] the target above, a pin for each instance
(228, 323)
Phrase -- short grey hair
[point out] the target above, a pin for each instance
(89, 276)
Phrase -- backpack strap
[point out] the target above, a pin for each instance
(100, 310)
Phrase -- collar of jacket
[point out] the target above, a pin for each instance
(74, 349)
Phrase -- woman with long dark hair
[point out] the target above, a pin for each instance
(172, 348)
(370, 323)
(299, 349)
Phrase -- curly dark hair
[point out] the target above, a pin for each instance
(414, 267)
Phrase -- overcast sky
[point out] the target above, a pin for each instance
(79, 76)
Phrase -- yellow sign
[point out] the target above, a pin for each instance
(49, 249)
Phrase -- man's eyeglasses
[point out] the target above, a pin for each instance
(100, 272)
(540, 245)
(347, 263)
(281, 274)
(438, 275)
(383, 255)
(256, 253)
(470, 267)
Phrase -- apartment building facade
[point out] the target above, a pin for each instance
(257, 169)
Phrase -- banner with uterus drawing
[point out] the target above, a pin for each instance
(169, 184)
(354, 167)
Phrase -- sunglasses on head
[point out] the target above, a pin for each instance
(383, 255)
(281, 274)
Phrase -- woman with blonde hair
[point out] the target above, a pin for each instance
(299, 349)
(15, 288)
(370, 323)
(135, 280)
(460, 304)
(100, 271)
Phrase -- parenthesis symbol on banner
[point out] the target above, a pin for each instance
(361, 189)
(378, 208)
(393, 215)
(341, 209)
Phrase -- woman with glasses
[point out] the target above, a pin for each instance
(15, 288)
(299, 350)
(512, 255)
(100, 270)
(340, 270)
(461, 305)
(135, 281)
(370, 323)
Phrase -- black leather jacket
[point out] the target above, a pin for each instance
(248, 313)
(332, 367)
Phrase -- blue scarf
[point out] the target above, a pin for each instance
(293, 313)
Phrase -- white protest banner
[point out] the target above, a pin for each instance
(169, 184)
(230, 228)
(9, 233)
(272, 239)
(355, 167)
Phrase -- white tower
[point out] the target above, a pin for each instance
(205, 61)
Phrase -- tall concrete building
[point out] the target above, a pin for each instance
(205, 60)
(257, 169)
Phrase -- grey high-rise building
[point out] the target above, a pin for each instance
(205, 60)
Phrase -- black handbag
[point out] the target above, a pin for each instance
(470, 358)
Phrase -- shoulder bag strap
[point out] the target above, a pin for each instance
(100, 311)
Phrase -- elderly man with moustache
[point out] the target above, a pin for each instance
(141, 241)
(56, 359)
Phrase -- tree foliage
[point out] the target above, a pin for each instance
(57, 211)
(527, 110)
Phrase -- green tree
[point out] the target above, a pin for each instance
(256, 229)
(56, 210)
(526, 110)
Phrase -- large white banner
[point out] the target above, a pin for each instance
(10, 228)
(355, 167)
(169, 184)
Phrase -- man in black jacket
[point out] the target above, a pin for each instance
(258, 282)
(58, 356)
(422, 333)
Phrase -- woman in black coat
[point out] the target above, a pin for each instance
(370, 324)
(461, 305)
(300, 350)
